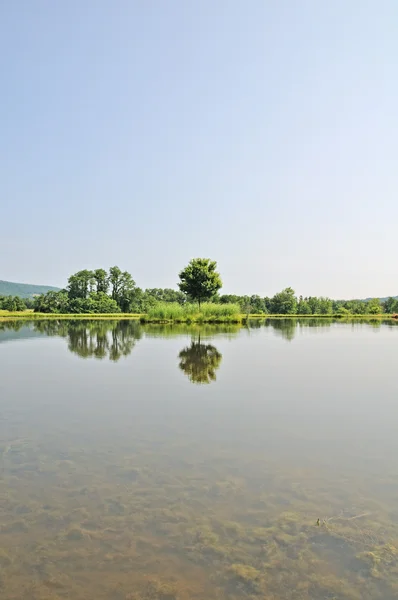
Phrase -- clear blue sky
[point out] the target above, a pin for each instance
(260, 133)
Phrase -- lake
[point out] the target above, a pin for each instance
(198, 463)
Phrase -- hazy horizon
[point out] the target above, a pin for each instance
(143, 134)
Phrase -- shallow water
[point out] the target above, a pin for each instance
(194, 463)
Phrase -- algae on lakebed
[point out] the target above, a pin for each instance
(104, 524)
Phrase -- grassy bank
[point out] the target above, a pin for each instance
(209, 312)
(168, 312)
(29, 314)
(317, 316)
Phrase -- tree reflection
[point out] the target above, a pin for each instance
(200, 361)
(95, 339)
(284, 327)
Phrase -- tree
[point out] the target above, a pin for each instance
(123, 288)
(101, 280)
(52, 302)
(115, 275)
(200, 280)
(390, 305)
(80, 284)
(356, 307)
(29, 302)
(140, 301)
(126, 291)
(257, 304)
(374, 307)
(95, 303)
(284, 303)
(325, 306)
(303, 307)
(313, 303)
(166, 295)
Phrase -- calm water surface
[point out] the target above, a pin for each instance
(185, 463)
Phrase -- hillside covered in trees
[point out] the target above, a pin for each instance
(24, 290)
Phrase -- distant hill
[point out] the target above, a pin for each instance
(24, 290)
(382, 299)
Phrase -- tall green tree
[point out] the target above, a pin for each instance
(80, 284)
(374, 306)
(52, 302)
(303, 307)
(115, 277)
(122, 288)
(325, 306)
(126, 292)
(285, 302)
(101, 280)
(391, 305)
(200, 280)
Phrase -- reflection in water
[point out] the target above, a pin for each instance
(200, 361)
(284, 327)
(95, 339)
(102, 338)
(168, 330)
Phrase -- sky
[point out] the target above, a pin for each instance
(259, 133)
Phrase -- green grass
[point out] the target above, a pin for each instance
(317, 316)
(170, 312)
(209, 312)
(29, 314)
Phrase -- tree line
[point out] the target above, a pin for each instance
(286, 302)
(15, 303)
(115, 291)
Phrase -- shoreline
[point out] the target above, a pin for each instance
(238, 319)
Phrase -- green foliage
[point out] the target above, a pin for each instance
(29, 303)
(80, 284)
(52, 302)
(97, 302)
(284, 303)
(303, 307)
(123, 286)
(200, 280)
(390, 305)
(87, 293)
(374, 307)
(166, 295)
(93, 292)
(101, 280)
(12, 303)
(248, 304)
(208, 312)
